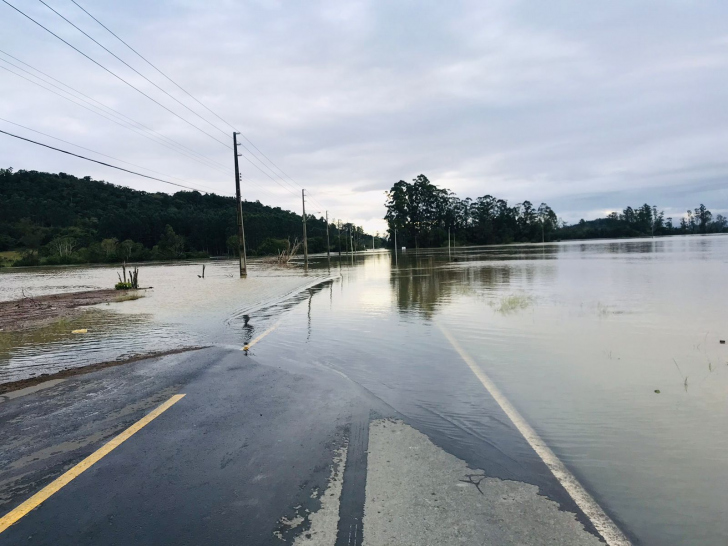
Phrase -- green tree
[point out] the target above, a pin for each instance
(170, 244)
(110, 246)
(703, 217)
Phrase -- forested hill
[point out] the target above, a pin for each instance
(58, 218)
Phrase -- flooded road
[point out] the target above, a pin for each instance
(578, 336)
(180, 310)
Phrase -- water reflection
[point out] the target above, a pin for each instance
(110, 336)
(611, 349)
(579, 336)
(582, 337)
(423, 283)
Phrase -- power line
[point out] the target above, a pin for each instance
(128, 126)
(111, 111)
(270, 161)
(140, 91)
(131, 67)
(94, 151)
(123, 124)
(102, 163)
(116, 113)
(157, 102)
(116, 75)
(153, 65)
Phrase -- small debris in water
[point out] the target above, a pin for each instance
(80, 331)
(657, 391)
(722, 341)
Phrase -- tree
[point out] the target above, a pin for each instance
(63, 246)
(691, 221)
(37, 208)
(703, 217)
(628, 215)
(423, 214)
(171, 244)
(548, 220)
(720, 224)
(109, 246)
(232, 245)
(127, 247)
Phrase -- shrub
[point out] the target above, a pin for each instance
(28, 258)
(272, 246)
(123, 286)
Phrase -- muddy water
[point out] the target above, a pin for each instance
(179, 310)
(578, 336)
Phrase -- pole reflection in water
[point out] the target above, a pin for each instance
(578, 336)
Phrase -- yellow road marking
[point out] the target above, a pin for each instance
(261, 336)
(602, 522)
(57, 484)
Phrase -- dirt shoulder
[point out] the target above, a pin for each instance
(38, 311)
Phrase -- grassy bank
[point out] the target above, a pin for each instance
(9, 257)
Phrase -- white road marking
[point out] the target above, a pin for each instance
(603, 523)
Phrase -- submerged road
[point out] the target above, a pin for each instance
(227, 448)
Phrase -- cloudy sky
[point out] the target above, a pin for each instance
(586, 106)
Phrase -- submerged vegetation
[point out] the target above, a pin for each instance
(133, 282)
(425, 215)
(54, 219)
(512, 303)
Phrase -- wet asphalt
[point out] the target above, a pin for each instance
(246, 448)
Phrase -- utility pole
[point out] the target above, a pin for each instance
(372, 242)
(351, 245)
(328, 243)
(241, 229)
(305, 239)
(395, 246)
(338, 230)
(449, 256)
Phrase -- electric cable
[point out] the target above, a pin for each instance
(115, 75)
(102, 163)
(96, 152)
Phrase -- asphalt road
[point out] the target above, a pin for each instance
(249, 456)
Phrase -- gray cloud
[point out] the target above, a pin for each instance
(588, 109)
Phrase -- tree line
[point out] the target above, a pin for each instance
(423, 214)
(645, 221)
(61, 219)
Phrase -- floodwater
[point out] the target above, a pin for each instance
(578, 336)
(180, 310)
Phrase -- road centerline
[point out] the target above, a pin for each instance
(56, 485)
(609, 530)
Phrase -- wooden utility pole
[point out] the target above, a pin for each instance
(328, 243)
(372, 242)
(305, 238)
(338, 230)
(241, 229)
(395, 246)
(449, 256)
(351, 245)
